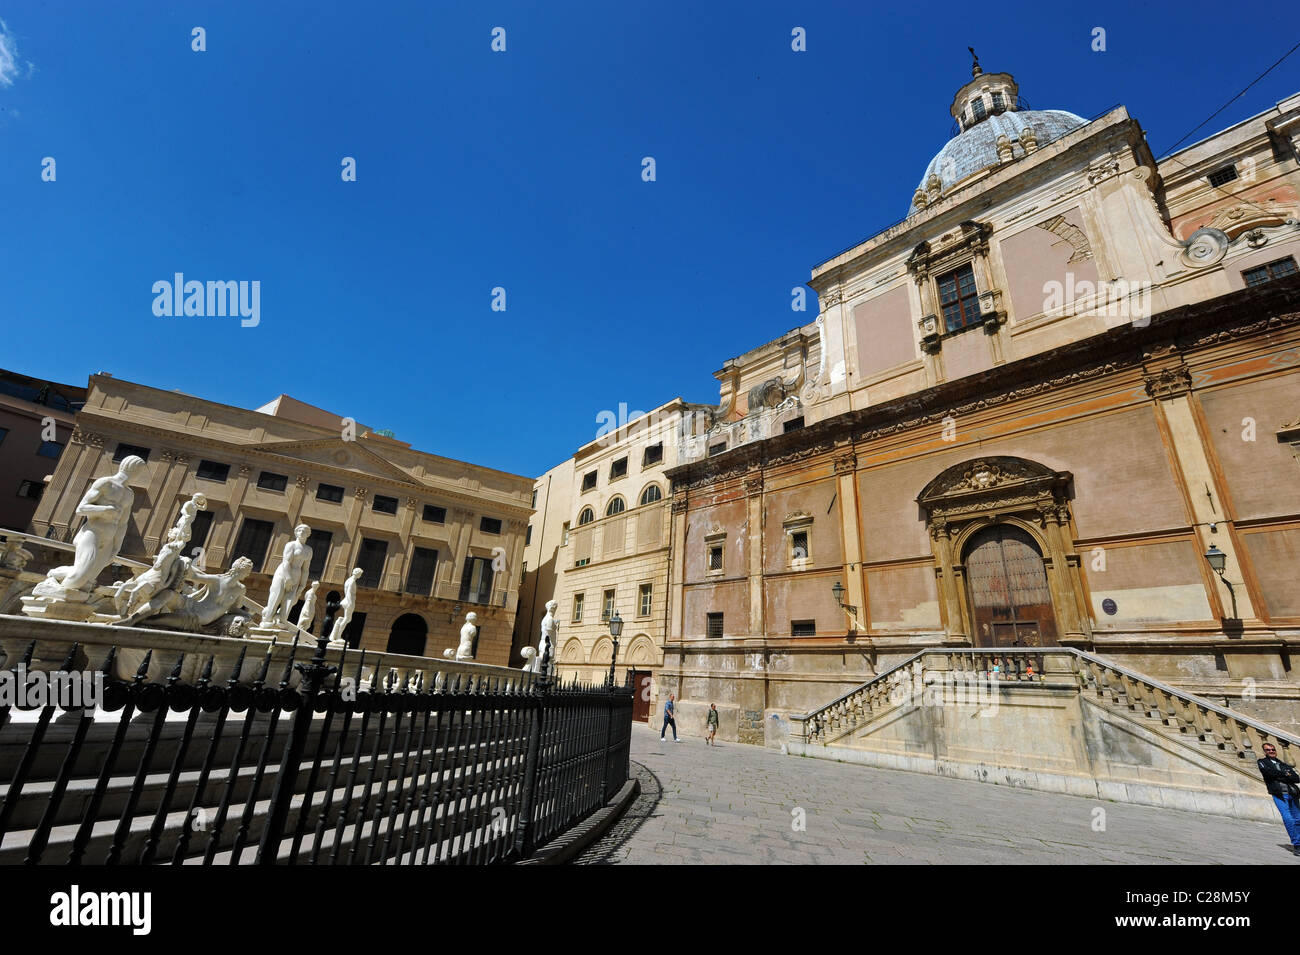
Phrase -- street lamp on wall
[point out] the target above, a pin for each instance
(1218, 562)
(838, 591)
(615, 631)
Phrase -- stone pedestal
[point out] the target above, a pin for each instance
(74, 605)
(267, 634)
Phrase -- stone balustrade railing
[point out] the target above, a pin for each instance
(50, 642)
(1236, 737)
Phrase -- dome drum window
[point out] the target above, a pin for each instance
(954, 282)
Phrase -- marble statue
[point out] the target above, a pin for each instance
(346, 608)
(106, 506)
(216, 596)
(238, 627)
(307, 615)
(167, 573)
(181, 532)
(289, 579)
(466, 649)
(550, 633)
(530, 659)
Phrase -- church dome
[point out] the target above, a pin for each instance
(997, 128)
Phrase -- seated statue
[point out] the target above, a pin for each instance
(216, 595)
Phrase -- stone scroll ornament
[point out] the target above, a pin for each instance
(66, 591)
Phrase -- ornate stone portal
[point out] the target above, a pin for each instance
(983, 493)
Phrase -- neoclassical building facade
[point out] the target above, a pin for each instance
(1023, 417)
(435, 538)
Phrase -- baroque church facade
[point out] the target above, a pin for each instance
(1029, 414)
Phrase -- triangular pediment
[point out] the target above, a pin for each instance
(334, 452)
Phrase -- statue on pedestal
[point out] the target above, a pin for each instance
(550, 634)
(307, 615)
(466, 649)
(216, 595)
(346, 608)
(181, 532)
(167, 573)
(106, 506)
(289, 579)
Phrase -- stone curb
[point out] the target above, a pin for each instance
(571, 844)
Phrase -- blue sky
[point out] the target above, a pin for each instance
(519, 169)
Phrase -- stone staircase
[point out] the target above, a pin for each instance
(1055, 719)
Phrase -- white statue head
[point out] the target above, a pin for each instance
(314, 585)
(130, 464)
(200, 501)
(552, 606)
(471, 617)
(356, 572)
(241, 568)
(302, 532)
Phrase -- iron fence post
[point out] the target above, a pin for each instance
(313, 677)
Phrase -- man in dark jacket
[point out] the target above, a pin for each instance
(1284, 786)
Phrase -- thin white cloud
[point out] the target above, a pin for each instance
(10, 66)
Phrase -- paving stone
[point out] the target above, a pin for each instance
(732, 805)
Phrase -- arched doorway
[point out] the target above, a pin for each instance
(408, 635)
(1011, 602)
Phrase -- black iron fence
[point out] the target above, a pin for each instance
(314, 764)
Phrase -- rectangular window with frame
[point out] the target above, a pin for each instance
(126, 450)
(607, 606)
(589, 481)
(803, 628)
(653, 455)
(50, 449)
(434, 514)
(528, 535)
(959, 299)
(319, 542)
(799, 553)
(490, 525)
(718, 448)
(794, 424)
(476, 581)
(253, 542)
(999, 104)
(3, 433)
(618, 469)
(980, 109)
(199, 530)
(384, 504)
(213, 471)
(270, 481)
(1269, 272)
(1223, 176)
(715, 558)
(419, 576)
(371, 559)
(645, 599)
(533, 505)
(577, 606)
(329, 493)
(713, 626)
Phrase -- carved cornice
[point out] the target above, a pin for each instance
(679, 503)
(1168, 382)
(846, 463)
(754, 484)
(1245, 314)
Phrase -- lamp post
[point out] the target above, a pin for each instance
(615, 631)
(838, 592)
(1218, 562)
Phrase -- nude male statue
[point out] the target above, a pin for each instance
(289, 579)
(348, 605)
(106, 506)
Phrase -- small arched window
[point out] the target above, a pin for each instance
(651, 494)
(616, 506)
(586, 517)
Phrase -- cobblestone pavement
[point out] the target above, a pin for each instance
(735, 804)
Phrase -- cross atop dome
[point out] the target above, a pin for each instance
(975, 65)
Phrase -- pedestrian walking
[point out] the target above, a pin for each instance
(711, 724)
(1284, 786)
(669, 720)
